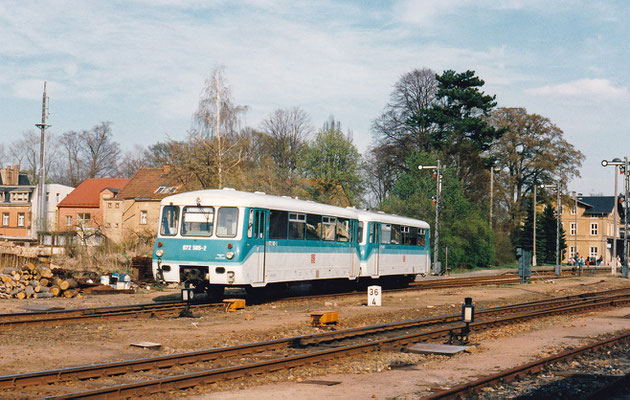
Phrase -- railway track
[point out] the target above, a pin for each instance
(534, 367)
(82, 314)
(173, 308)
(172, 372)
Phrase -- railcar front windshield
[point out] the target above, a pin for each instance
(197, 221)
(170, 217)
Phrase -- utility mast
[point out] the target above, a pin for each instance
(41, 195)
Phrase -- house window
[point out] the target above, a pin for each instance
(594, 228)
(593, 253)
(5, 219)
(68, 220)
(57, 197)
(143, 217)
(572, 210)
(572, 251)
(160, 189)
(83, 220)
(47, 196)
(20, 219)
(572, 229)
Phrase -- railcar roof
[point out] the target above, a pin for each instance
(230, 197)
(365, 215)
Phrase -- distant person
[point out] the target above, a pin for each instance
(599, 261)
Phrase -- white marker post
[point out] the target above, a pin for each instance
(374, 296)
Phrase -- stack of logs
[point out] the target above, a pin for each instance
(36, 282)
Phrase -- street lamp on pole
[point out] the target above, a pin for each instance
(623, 165)
(438, 194)
(493, 169)
(575, 250)
(557, 269)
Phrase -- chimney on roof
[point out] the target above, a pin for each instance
(15, 175)
(10, 175)
(166, 169)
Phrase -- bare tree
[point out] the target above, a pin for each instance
(218, 120)
(532, 151)
(287, 131)
(71, 169)
(88, 154)
(131, 161)
(398, 132)
(25, 152)
(100, 151)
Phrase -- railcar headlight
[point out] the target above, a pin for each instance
(229, 255)
(159, 252)
(230, 277)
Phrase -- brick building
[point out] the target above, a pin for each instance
(135, 209)
(82, 209)
(589, 228)
(16, 199)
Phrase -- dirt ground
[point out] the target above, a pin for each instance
(373, 375)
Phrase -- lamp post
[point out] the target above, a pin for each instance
(534, 229)
(493, 169)
(557, 269)
(438, 195)
(623, 165)
(575, 249)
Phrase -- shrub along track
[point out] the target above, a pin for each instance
(170, 372)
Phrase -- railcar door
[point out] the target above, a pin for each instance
(260, 241)
(373, 245)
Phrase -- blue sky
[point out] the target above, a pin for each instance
(141, 64)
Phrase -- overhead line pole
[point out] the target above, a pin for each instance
(41, 203)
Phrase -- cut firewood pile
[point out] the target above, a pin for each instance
(36, 281)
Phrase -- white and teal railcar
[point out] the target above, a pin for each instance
(393, 246)
(219, 238)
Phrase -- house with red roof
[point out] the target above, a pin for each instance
(82, 209)
(135, 210)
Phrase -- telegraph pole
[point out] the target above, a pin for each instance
(41, 196)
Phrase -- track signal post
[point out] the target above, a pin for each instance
(437, 269)
(625, 171)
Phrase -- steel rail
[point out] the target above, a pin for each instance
(28, 318)
(213, 375)
(80, 314)
(516, 372)
(116, 368)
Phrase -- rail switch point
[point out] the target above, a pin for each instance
(324, 318)
(232, 305)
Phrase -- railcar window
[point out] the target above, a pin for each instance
(421, 237)
(170, 217)
(343, 230)
(226, 221)
(297, 225)
(197, 221)
(329, 224)
(313, 227)
(396, 235)
(360, 232)
(373, 232)
(412, 236)
(386, 233)
(278, 224)
(250, 224)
